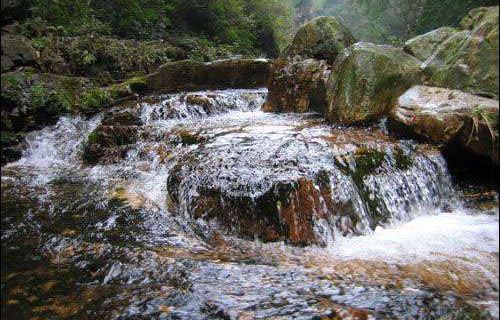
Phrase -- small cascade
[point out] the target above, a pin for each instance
(203, 196)
(190, 106)
(221, 164)
(61, 144)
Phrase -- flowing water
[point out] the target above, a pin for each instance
(207, 208)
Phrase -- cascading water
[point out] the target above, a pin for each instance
(187, 206)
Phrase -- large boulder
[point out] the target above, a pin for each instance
(423, 46)
(304, 184)
(468, 59)
(449, 117)
(366, 81)
(322, 38)
(188, 75)
(297, 86)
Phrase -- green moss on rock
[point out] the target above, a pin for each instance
(191, 75)
(423, 46)
(94, 99)
(322, 38)
(366, 81)
(188, 138)
(468, 60)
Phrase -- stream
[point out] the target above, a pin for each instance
(209, 208)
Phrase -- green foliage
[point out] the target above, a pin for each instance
(274, 22)
(48, 103)
(39, 96)
(94, 137)
(141, 19)
(439, 13)
(75, 17)
(105, 57)
(94, 99)
(393, 21)
(244, 27)
(12, 89)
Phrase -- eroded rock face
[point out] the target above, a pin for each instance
(423, 46)
(323, 38)
(447, 117)
(191, 75)
(366, 81)
(468, 59)
(297, 86)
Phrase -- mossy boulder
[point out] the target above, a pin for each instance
(322, 38)
(189, 75)
(366, 81)
(423, 46)
(297, 86)
(449, 118)
(484, 18)
(468, 59)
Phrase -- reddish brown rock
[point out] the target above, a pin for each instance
(298, 86)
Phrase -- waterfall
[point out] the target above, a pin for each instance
(254, 167)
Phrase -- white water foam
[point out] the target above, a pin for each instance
(433, 236)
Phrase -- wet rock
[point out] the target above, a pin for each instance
(297, 86)
(200, 100)
(191, 75)
(17, 51)
(449, 117)
(111, 140)
(468, 59)
(202, 104)
(322, 38)
(366, 81)
(423, 46)
(276, 191)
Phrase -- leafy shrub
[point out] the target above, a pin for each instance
(94, 99)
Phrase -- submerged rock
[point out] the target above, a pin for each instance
(297, 86)
(423, 46)
(191, 75)
(303, 191)
(468, 59)
(323, 38)
(366, 81)
(449, 117)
